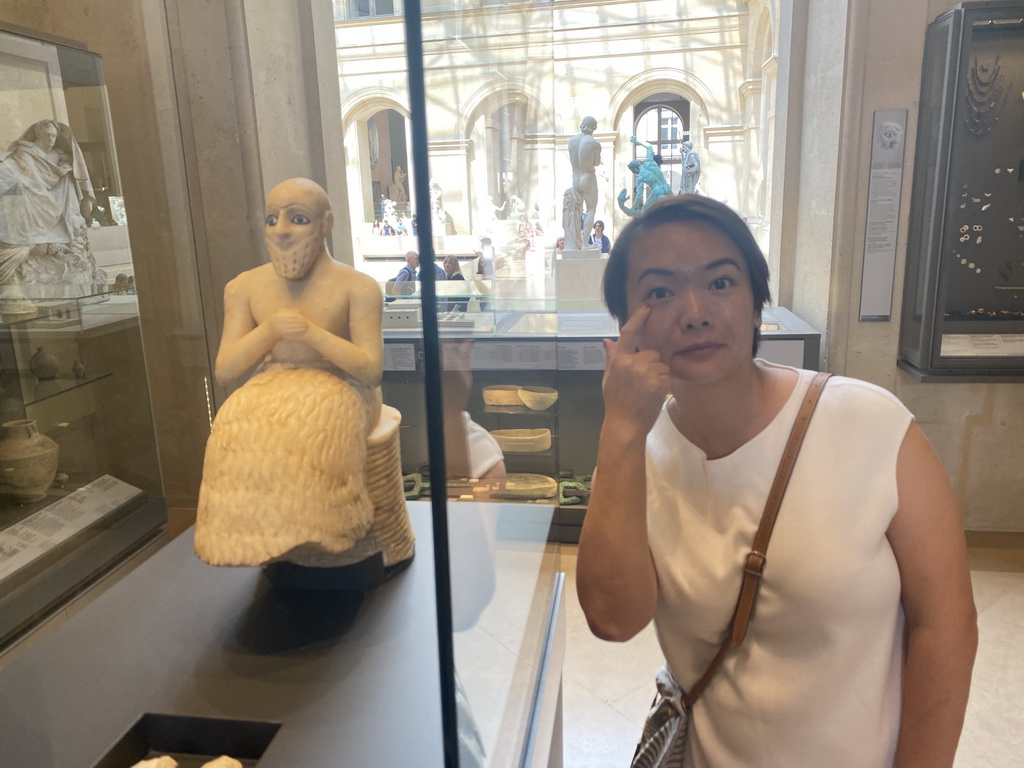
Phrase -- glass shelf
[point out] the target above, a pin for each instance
(44, 390)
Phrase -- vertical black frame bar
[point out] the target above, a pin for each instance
(432, 379)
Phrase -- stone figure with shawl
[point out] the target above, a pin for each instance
(691, 170)
(45, 197)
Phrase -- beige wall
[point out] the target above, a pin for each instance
(976, 428)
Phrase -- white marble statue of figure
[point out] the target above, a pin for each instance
(691, 170)
(387, 208)
(45, 197)
(437, 205)
(302, 464)
(488, 210)
(517, 208)
(397, 191)
(585, 156)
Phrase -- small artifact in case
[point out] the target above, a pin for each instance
(523, 440)
(538, 398)
(502, 394)
(522, 485)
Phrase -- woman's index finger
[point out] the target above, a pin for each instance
(633, 326)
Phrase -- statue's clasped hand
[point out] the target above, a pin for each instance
(289, 324)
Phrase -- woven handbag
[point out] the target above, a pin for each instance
(663, 741)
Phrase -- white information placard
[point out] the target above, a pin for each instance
(399, 357)
(514, 355)
(55, 523)
(884, 187)
(982, 345)
(580, 356)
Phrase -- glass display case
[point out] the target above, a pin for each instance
(536, 370)
(963, 302)
(79, 476)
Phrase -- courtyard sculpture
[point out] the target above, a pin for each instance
(580, 200)
(650, 182)
(691, 170)
(397, 191)
(302, 464)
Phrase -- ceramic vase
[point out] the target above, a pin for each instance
(43, 365)
(28, 461)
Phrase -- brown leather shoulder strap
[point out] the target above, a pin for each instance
(757, 559)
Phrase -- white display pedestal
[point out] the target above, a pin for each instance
(578, 276)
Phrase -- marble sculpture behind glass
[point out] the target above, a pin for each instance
(45, 197)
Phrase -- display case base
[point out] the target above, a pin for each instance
(961, 376)
(358, 577)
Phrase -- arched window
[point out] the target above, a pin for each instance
(663, 121)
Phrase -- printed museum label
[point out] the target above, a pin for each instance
(514, 355)
(55, 523)
(884, 187)
(580, 356)
(982, 345)
(399, 357)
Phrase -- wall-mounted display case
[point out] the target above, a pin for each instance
(963, 302)
(79, 475)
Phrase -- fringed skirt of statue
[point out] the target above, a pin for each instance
(303, 465)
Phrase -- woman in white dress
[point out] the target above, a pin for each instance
(861, 647)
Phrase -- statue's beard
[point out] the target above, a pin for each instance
(293, 263)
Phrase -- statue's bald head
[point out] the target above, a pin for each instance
(307, 190)
(298, 219)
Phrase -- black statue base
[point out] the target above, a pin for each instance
(358, 577)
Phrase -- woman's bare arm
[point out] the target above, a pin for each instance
(927, 538)
(615, 576)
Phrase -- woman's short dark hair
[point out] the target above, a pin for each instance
(685, 209)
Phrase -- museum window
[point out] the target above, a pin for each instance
(361, 9)
(663, 121)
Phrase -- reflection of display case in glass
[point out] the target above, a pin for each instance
(963, 302)
(555, 348)
(71, 362)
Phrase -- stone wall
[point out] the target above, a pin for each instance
(975, 428)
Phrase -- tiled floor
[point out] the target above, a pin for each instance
(608, 686)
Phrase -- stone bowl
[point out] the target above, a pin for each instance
(523, 440)
(522, 485)
(538, 398)
(502, 394)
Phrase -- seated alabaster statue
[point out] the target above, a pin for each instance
(302, 464)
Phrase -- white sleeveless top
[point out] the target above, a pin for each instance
(817, 679)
